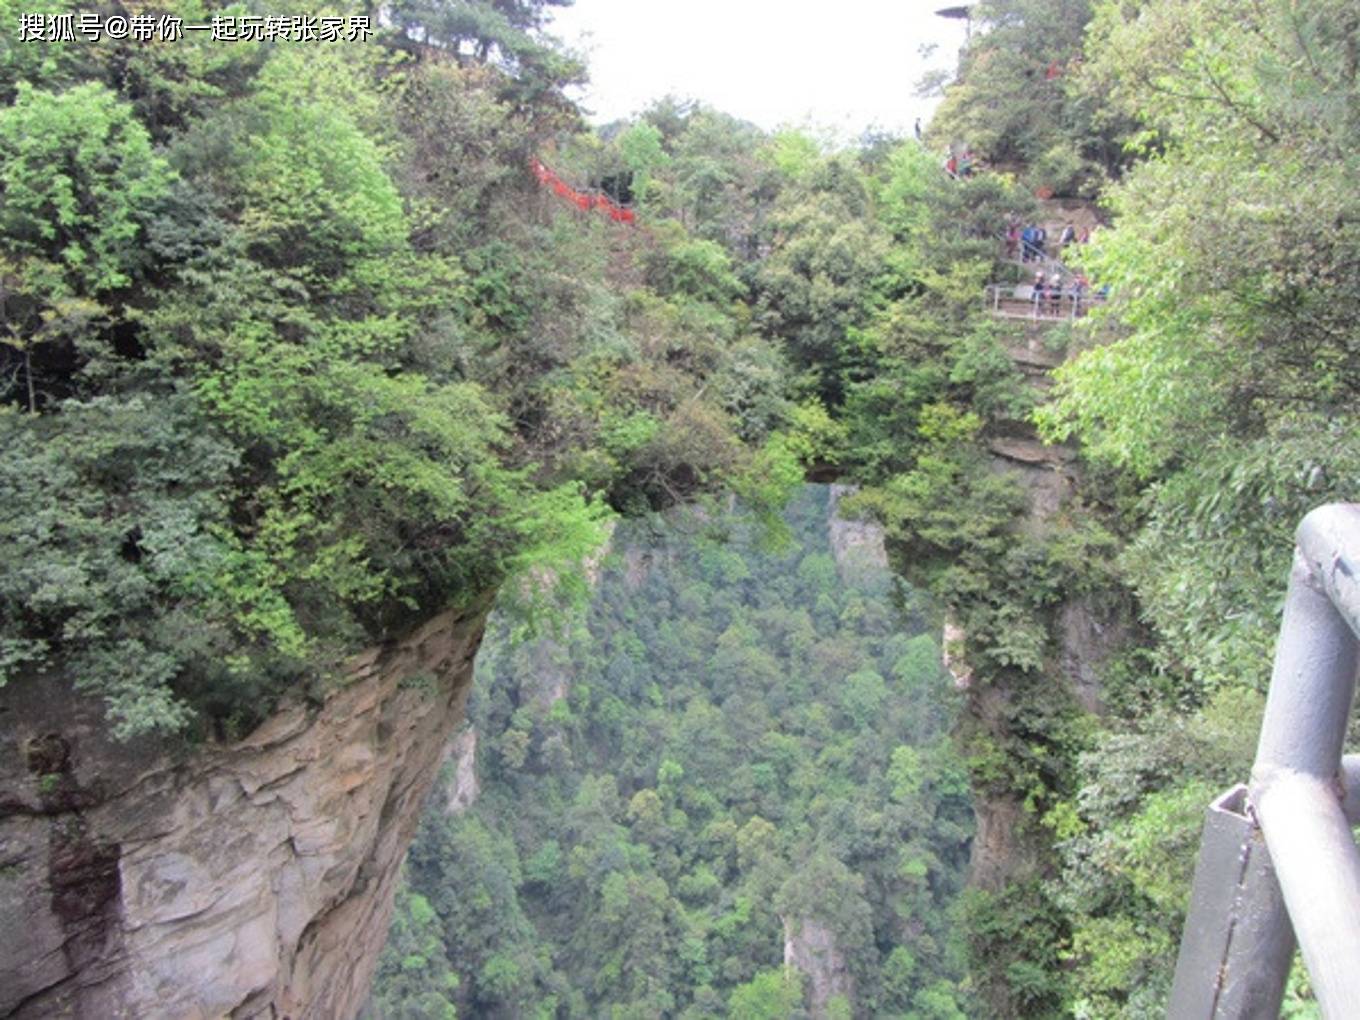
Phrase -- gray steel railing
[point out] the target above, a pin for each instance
(1277, 858)
(1016, 301)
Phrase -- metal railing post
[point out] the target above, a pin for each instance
(1236, 914)
(1296, 869)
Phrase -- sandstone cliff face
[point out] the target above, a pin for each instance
(1001, 851)
(857, 546)
(245, 880)
(810, 947)
(1004, 848)
(953, 641)
(462, 787)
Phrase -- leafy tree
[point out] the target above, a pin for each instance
(770, 995)
(414, 979)
(505, 33)
(812, 290)
(116, 516)
(1016, 104)
(408, 402)
(78, 182)
(1227, 322)
(641, 147)
(865, 692)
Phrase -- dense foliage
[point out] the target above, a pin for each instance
(730, 743)
(1018, 104)
(1216, 402)
(293, 347)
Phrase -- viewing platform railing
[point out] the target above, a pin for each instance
(1016, 301)
(1277, 858)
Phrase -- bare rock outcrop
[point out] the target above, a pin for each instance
(953, 642)
(251, 879)
(857, 546)
(810, 947)
(997, 855)
(1086, 641)
(463, 787)
(1003, 849)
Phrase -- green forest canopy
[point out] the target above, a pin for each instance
(728, 739)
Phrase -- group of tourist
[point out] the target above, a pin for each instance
(1030, 242)
(1046, 295)
(962, 165)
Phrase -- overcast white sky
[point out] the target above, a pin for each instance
(845, 65)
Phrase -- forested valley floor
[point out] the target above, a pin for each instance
(733, 747)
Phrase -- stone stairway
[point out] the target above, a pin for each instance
(1055, 214)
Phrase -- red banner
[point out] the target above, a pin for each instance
(582, 200)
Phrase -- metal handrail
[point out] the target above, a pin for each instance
(1039, 258)
(1277, 859)
(1071, 304)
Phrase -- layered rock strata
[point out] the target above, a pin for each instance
(251, 879)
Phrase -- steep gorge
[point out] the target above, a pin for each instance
(730, 778)
(328, 353)
(256, 879)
